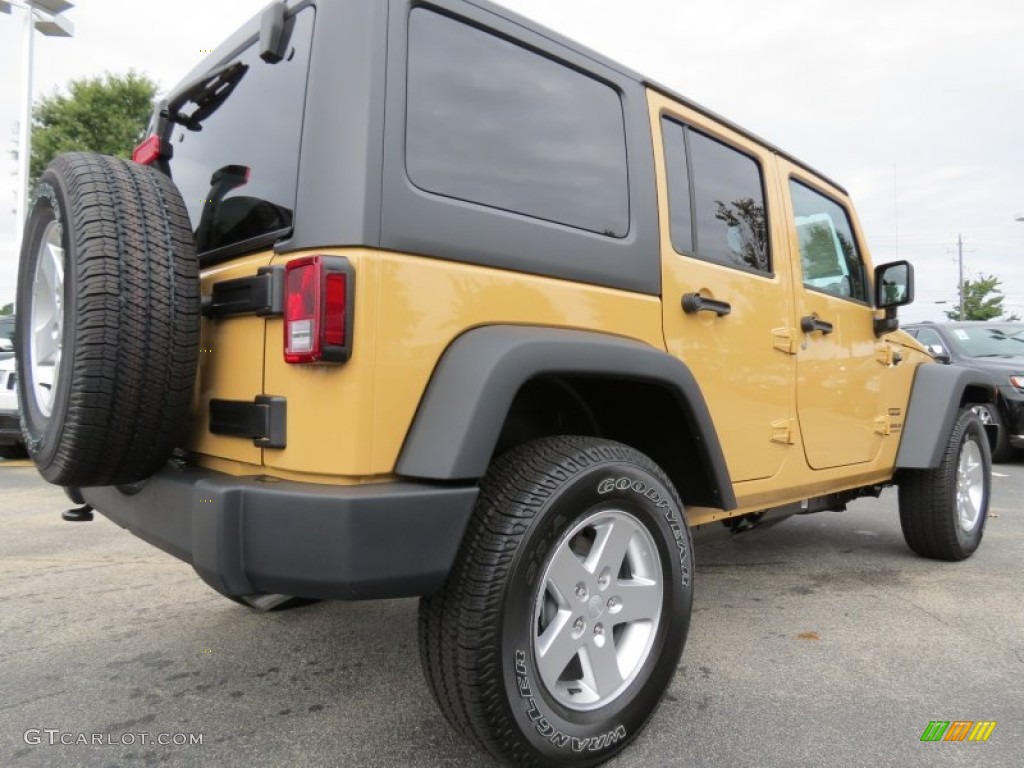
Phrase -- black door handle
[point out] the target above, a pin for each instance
(811, 323)
(694, 302)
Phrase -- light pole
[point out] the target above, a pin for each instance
(44, 16)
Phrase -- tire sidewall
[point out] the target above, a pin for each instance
(554, 732)
(971, 429)
(43, 433)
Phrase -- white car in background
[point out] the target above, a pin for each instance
(11, 445)
(6, 336)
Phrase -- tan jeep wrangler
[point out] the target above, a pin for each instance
(416, 298)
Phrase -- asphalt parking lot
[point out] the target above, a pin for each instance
(820, 641)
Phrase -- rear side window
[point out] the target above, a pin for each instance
(716, 200)
(829, 257)
(496, 124)
(236, 162)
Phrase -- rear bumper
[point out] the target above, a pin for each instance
(250, 535)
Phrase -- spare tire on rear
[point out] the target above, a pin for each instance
(107, 321)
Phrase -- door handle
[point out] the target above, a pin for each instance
(811, 323)
(694, 302)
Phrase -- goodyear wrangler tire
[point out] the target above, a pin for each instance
(108, 321)
(943, 510)
(562, 622)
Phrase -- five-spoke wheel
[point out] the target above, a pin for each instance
(598, 609)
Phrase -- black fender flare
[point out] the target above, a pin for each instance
(935, 401)
(462, 412)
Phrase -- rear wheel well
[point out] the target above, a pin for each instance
(644, 415)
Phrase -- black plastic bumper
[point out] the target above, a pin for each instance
(10, 428)
(1013, 415)
(248, 535)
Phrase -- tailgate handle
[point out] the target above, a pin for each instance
(694, 302)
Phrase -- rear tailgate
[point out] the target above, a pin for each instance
(230, 366)
(230, 137)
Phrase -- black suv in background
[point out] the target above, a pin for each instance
(996, 349)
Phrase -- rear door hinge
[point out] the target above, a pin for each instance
(264, 421)
(782, 431)
(261, 294)
(782, 340)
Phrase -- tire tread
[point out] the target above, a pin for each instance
(927, 500)
(132, 328)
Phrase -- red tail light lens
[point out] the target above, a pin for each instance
(334, 314)
(149, 151)
(318, 310)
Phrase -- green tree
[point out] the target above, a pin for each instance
(983, 300)
(6, 309)
(98, 114)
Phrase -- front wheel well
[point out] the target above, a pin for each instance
(975, 393)
(978, 395)
(644, 415)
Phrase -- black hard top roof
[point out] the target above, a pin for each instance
(250, 29)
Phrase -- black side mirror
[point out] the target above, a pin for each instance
(894, 284)
(894, 287)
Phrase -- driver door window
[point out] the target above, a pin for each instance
(829, 257)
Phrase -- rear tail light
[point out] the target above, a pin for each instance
(151, 150)
(319, 292)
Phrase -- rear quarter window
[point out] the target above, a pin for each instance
(494, 123)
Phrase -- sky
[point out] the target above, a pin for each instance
(915, 106)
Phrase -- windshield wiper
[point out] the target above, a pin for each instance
(207, 93)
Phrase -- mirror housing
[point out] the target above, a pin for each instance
(940, 354)
(894, 287)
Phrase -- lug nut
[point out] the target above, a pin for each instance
(614, 604)
(581, 591)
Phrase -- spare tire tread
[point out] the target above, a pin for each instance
(131, 322)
